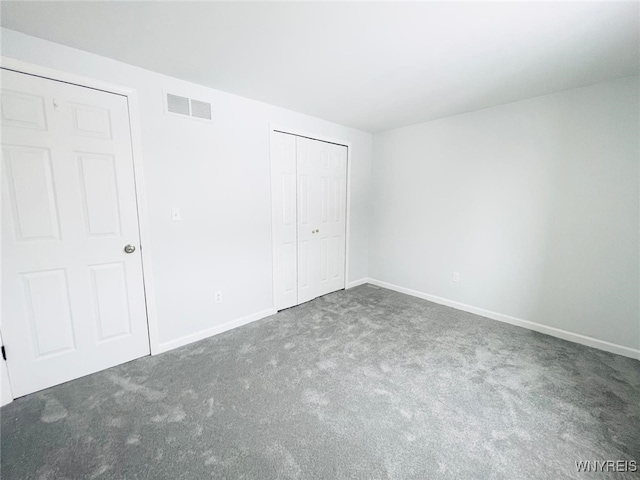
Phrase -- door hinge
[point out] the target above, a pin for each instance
(4, 353)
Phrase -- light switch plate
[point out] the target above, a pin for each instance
(175, 214)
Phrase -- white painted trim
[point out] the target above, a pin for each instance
(322, 138)
(273, 231)
(136, 146)
(537, 327)
(6, 394)
(209, 332)
(357, 283)
(312, 135)
(347, 238)
(143, 223)
(62, 76)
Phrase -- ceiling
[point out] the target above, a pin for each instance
(370, 65)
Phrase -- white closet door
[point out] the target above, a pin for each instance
(72, 299)
(322, 181)
(283, 198)
(332, 225)
(308, 173)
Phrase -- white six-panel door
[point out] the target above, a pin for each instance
(316, 206)
(72, 298)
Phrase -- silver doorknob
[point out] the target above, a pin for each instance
(129, 248)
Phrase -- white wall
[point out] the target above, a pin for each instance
(218, 174)
(534, 203)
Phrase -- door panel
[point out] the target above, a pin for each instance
(73, 301)
(49, 312)
(284, 218)
(99, 193)
(31, 192)
(304, 264)
(90, 121)
(308, 248)
(323, 166)
(110, 303)
(23, 110)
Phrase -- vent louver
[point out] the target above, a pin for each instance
(200, 109)
(176, 104)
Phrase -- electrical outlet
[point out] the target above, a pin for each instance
(456, 277)
(218, 297)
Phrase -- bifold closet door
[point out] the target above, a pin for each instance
(321, 205)
(72, 287)
(309, 185)
(283, 204)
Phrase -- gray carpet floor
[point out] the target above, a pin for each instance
(361, 384)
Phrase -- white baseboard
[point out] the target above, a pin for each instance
(209, 332)
(357, 283)
(554, 332)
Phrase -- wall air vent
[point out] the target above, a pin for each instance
(177, 105)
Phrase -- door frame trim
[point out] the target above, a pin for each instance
(138, 174)
(322, 138)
